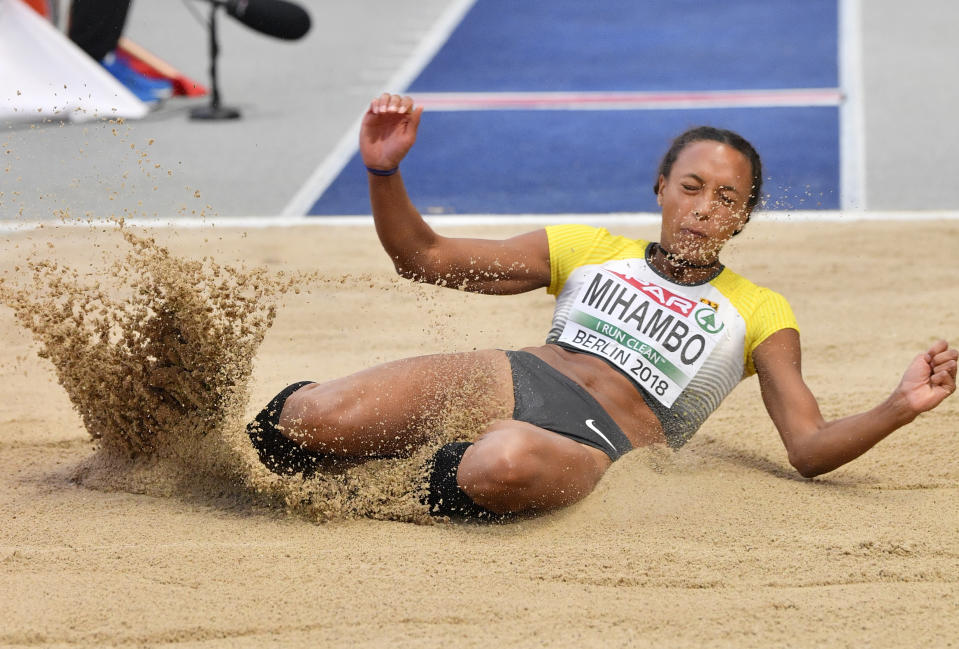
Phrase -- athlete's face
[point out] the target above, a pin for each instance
(704, 200)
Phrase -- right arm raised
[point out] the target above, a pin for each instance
(500, 267)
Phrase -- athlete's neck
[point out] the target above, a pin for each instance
(681, 270)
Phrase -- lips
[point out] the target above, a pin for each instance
(693, 232)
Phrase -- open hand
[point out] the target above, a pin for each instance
(388, 131)
(930, 378)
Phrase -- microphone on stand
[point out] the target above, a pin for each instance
(277, 18)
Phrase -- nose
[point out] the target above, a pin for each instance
(707, 206)
(703, 210)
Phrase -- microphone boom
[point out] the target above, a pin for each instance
(277, 18)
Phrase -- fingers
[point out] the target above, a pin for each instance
(942, 359)
(944, 362)
(939, 353)
(947, 369)
(945, 356)
(937, 348)
(387, 103)
(945, 379)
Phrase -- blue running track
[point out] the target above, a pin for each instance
(586, 160)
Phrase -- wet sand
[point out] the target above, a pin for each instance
(720, 543)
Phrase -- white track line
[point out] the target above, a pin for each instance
(326, 173)
(473, 220)
(852, 140)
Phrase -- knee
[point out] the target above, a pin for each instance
(277, 451)
(444, 496)
(496, 474)
(313, 416)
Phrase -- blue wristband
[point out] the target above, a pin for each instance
(383, 172)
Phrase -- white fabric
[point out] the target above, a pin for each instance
(44, 75)
(658, 333)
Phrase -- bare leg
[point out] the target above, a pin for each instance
(518, 467)
(513, 466)
(389, 408)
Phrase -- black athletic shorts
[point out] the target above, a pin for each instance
(548, 399)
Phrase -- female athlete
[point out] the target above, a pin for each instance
(647, 339)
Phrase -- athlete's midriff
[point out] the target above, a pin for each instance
(616, 393)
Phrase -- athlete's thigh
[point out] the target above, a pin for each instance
(388, 408)
(517, 466)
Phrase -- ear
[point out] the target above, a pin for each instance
(660, 188)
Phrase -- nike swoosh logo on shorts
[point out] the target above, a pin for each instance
(592, 427)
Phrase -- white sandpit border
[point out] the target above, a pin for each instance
(472, 220)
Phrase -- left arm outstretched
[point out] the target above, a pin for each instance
(817, 446)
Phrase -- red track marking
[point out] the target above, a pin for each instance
(447, 101)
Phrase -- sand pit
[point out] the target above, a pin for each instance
(720, 544)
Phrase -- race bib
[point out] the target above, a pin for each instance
(658, 337)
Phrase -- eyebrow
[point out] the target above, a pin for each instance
(728, 188)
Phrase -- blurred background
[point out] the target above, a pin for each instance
(532, 108)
